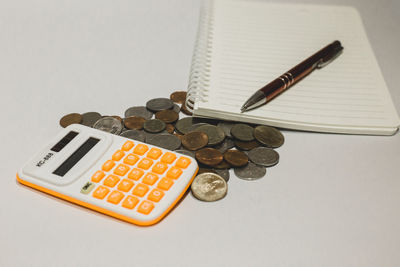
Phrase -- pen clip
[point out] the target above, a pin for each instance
(338, 49)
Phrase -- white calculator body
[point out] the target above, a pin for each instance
(120, 177)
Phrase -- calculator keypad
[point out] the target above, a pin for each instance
(138, 177)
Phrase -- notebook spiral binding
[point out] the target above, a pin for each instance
(201, 60)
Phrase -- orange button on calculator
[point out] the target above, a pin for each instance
(127, 145)
(140, 149)
(121, 169)
(128, 179)
(125, 185)
(140, 190)
(135, 174)
(145, 207)
(130, 202)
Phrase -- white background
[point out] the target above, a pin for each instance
(333, 200)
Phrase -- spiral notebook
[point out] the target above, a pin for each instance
(241, 46)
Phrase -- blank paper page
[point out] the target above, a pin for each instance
(253, 43)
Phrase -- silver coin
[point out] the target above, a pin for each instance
(215, 134)
(264, 156)
(150, 135)
(243, 132)
(134, 134)
(250, 172)
(209, 187)
(227, 144)
(176, 108)
(224, 173)
(139, 111)
(154, 126)
(167, 141)
(186, 152)
(158, 104)
(183, 125)
(90, 118)
(226, 126)
(269, 136)
(108, 124)
(196, 125)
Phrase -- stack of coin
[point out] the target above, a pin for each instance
(218, 146)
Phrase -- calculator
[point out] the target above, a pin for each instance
(127, 179)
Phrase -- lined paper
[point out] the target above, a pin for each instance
(254, 43)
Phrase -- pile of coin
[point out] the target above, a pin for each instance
(217, 145)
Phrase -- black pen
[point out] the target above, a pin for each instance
(320, 59)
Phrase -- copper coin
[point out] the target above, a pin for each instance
(180, 136)
(167, 116)
(184, 110)
(269, 136)
(117, 117)
(170, 128)
(178, 97)
(70, 119)
(194, 140)
(236, 158)
(246, 145)
(209, 156)
(134, 123)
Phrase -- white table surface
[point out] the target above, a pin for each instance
(333, 200)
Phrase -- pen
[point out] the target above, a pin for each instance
(320, 59)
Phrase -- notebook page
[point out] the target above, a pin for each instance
(254, 43)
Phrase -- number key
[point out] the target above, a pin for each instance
(111, 180)
(135, 174)
(150, 178)
(131, 159)
(130, 202)
(155, 195)
(121, 169)
(160, 167)
(125, 185)
(145, 163)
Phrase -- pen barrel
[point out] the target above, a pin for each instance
(301, 70)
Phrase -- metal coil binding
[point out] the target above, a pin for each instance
(201, 60)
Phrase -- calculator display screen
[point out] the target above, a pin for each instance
(76, 156)
(63, 142)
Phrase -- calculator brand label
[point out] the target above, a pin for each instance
(45, 158)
